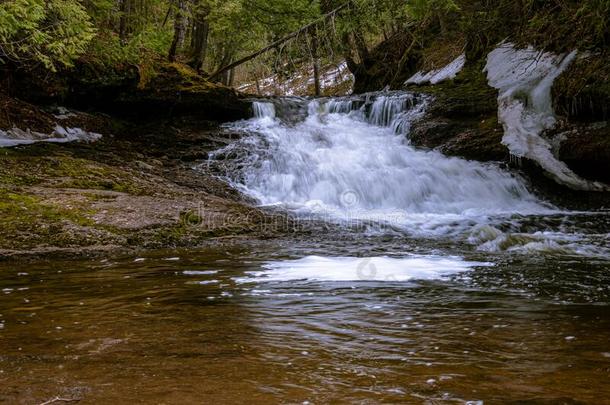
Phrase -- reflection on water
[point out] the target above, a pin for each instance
(210, 328)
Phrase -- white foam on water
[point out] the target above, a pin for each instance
(205, 282)
(199, 273)
(382, 269)
(524, 78)
(349, 161)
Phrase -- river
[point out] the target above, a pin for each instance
(417, 278)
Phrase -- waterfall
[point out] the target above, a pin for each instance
(343, 106)
(347, 157)
(263, 110)
(393, 110)
(348, 160)
(385, 109)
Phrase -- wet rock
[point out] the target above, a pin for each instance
(462, 118)
(144, 166)
(177, 91)
(582, 93)
(585, 147)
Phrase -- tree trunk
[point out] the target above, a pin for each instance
(178, 31)
(200, 33)
(363, 51)
(227, 57)
(231, 78)
(316, 62)
(123, 23)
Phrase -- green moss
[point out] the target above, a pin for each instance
(26, 221)
(99, 197)
(28, 208)
(188, 218)
(65, 172)
(468, 95)
(490, 123)
(188, 74)
(198, 88)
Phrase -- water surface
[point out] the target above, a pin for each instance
(206, 327)
(415, 278)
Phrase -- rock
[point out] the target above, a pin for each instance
(462, 119)
(178, 91)
(172, 92)
(585, 148)
(144, 166)
(582, 93)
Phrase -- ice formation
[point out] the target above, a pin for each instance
(524, 78)
(436, 76)
(16, 136)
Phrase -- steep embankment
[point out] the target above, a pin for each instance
(171, 91)
(130, 186)
(542, 107)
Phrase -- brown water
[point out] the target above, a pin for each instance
(185, 331)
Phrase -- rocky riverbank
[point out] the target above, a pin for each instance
(570, 133)
(140, 186)
(136, 187)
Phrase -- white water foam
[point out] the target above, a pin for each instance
(349, 162)
(524, 78)
(359, 164)
(382, 269)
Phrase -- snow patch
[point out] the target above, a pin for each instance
(300, 83)
(63, 113)
(524, 78)
(436, 76)
(16, 136)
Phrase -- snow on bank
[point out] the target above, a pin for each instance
(16, 136)
(439, 75)
(524, 78)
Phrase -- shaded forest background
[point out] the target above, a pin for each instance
(210, 34)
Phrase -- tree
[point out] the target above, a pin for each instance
(179, 29)
(51, 32)
(199, 34)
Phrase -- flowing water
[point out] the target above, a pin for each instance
(417, 279)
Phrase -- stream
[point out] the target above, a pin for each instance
(418, 278)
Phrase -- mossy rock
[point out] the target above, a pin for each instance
(20, 168)
(582, 92)
(28, 222)
(462, 119)
(176, 90)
